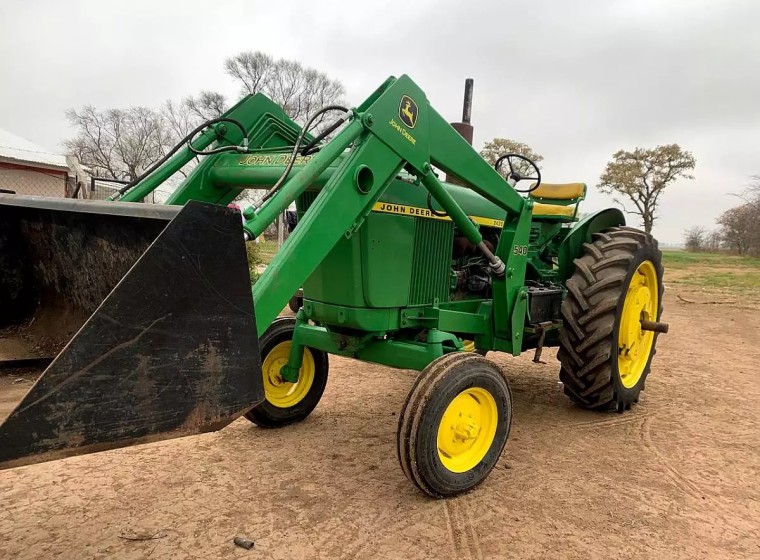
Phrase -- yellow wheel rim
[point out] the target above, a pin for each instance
(635, 344)
(279, 392)
(468, 346)
(467, 429)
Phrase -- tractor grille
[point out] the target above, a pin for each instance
(535, 232)
(304, 201)
(431, 265)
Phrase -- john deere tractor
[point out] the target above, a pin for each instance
(144, 320)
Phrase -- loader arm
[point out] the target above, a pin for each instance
(100, 393)
(368, 153)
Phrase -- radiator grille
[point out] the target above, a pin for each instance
(433, 240)
(535, 232)
(304, 201)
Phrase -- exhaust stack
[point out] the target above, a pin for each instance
(464, 128)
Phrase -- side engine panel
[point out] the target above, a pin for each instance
(393, 261)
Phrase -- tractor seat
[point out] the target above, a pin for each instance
(557, 202)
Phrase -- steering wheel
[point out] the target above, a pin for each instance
(520, 169)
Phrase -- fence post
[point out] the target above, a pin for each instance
(280, 230)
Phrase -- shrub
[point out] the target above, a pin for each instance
(253, 252)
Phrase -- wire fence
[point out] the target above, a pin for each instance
(100, 188)
(267, 249)
(30, 181)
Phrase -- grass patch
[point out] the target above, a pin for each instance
(267, 250)
(686, 259)
(724, 281)
(716, 273)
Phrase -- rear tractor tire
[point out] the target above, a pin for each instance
(287, 403)
(605, 354)
(454, 424)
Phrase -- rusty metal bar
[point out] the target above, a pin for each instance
(654, 326)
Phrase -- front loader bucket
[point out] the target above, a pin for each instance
(144, 312)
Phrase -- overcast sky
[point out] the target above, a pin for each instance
(576, 80)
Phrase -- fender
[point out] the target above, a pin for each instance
(572, 246)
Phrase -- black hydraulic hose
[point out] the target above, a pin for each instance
(432, 210)
(284, 177)
(187, 140)
(310, 147)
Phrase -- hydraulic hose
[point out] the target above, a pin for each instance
(294, 154)
(188, 140)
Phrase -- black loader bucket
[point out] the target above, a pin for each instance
(142, 315)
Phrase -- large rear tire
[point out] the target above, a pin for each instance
(605, 355)
(454, 424)
(287, 403)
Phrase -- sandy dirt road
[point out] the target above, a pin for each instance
(677, 477)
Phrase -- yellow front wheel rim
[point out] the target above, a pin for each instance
(634, 343)
(467, 429)
(279, 392)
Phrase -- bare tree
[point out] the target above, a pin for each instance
(251, 69)
(182, 117)
(741, 224)
(714, 241)
(117, 143)
(738, 228)
(498, 147)
(179, 120)
(205, 106)
(695, 238)
(122, 143)
(642, 175)
(299, 90)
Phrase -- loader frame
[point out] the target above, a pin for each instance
(395, 130)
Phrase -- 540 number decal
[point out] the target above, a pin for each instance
(521, 250)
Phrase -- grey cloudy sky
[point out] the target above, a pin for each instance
(576, 80)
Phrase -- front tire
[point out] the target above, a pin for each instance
(605, 355)
(287, 403)
(454, 424)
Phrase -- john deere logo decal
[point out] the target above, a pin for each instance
(407, 111)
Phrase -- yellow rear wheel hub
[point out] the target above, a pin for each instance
(279, 392)
(467, 429)
(634, 343)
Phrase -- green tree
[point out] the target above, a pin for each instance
(498, 147)
(642, 175)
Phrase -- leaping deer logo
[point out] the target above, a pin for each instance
(407, 111)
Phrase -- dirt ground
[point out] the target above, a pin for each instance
(676, 477)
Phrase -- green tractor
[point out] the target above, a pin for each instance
(143, 315)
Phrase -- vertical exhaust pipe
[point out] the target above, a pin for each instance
(467, 110)
(464, 128)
